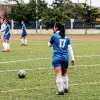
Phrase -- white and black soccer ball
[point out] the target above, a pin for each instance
(21, 74)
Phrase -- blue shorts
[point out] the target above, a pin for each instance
(23, 35)
(60, 61)
(7, 36)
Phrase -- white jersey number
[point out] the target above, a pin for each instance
(62, 43)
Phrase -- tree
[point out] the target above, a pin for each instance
(19, 12)
(59, 11)
(56, 12)
(89, 16)
(28, 12)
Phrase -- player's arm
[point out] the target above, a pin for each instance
(70, 50)
(50, 43)
(3, 28)
(25, 28)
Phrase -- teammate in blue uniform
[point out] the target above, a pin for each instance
(5, 29)
(23, 34)
(61, 49)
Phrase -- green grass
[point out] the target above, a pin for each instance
(39, 84)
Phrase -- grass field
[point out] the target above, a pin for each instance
(39, 84)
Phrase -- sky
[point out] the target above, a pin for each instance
(94, 2)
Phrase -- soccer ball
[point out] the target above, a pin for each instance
(21, 74)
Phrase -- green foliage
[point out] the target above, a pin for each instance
(28, 11)
(20, 12)
(55, 13)
(59, 11)
(89, 15)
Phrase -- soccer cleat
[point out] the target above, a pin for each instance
(22, 45)
(25, 44)
(60, 93)
(8, 51)
(66, 91)
(3, 51)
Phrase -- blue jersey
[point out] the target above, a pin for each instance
(23, 30)
(60, 45)
(7, 32)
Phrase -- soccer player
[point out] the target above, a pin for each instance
(61, 49)
(5, 29)
(23, 34)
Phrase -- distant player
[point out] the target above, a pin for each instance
(23, 34)
(61, 48)
(5, 30)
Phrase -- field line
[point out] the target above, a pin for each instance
(37, 59)
(79, 44)
(90, 83)
(37, 87)
(80, 56)
(24, 60)
(44, 68)
(1, 71)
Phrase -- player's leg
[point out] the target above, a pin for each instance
(7, 45)
(65, 76)
(59, 80)
(25, 40)
(65, 80)
(22, 40)
(3, 43)
(58, 71)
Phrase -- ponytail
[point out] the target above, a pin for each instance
(61, 28)
(62, 31)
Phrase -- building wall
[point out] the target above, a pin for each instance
(3, 9)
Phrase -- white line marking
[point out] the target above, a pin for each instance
(37, 59)
(79, 44)
(94, 83)
(37, 87)
(2, 71)
(87, 65)
(24, 60)
(79, 56)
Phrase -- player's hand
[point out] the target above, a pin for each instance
(72, 62)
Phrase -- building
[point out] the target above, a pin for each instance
(10, 1)
(5, 5)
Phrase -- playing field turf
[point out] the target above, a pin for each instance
(39, 84)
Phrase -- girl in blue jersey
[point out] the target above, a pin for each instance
(61, 49)
(23, 34)
(5, 29)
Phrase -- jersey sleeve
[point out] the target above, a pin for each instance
(51, 41)
(3, 28)
(70, 50)
(68, 41)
